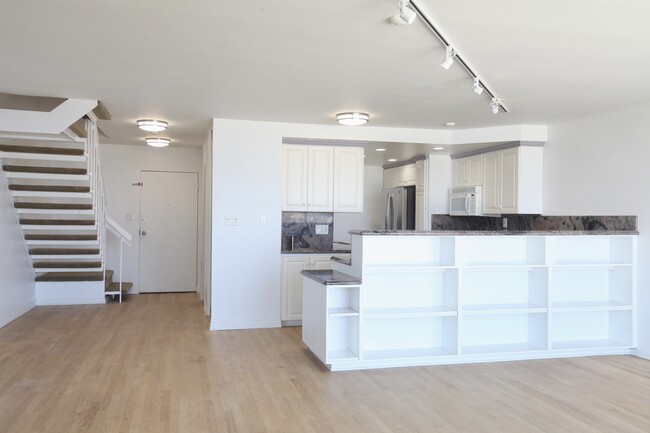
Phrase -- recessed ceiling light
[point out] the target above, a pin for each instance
(392, 160)
(352, 118)
(157, 141)
(450, 124)
(380, 149)
(438, 148)
(151, 125)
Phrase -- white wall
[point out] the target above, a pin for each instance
(439, 184)
(595, 166)
(17, 292)
(121, 166)
(370, 219)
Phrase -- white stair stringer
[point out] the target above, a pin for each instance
(69, 292)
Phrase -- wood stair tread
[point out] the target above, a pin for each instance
(42, 150)
(71, 276)
(62, 251)
(56, 222)
(49, 188)
(75, 265)
(72, 206)
(47, 170)
(115, 287)
(31, 237)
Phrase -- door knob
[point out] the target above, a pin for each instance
(144, 233)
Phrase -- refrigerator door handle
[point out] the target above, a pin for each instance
(390, 209)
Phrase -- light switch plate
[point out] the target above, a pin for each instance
(232, 221)
(322, 229)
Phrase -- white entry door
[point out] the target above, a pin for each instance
(168, 231)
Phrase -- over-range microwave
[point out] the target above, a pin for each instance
(465, 200)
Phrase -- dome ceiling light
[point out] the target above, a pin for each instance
(151, 125)
(157, 141)
(352, 118)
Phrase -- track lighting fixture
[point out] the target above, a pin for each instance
(405, 12)
(494, 105)
(450, 53)
(477, 86)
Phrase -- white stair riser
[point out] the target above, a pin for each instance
(56, 211)
(51, 194)
(42, 156)
(46, 270)
(71, 227)
(66, 243)
(67, 256)
(48, 176)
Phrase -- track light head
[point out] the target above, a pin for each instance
(478, 89)
(494, 105)
(450, 53)
(406, 14)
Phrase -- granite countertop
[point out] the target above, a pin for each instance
(491, 232)
(315, 251)
(347, 262)
(331, 278)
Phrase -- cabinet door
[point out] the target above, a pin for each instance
(392, 177)
(348, 179)
(509, 161)
(475, 170)
(292, 286)
(320, 261)
(294, 177)
(491, 180)
(320, 179)
(409, 175)
(420, 213)
(459, 170)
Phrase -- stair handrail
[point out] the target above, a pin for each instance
(118, 230)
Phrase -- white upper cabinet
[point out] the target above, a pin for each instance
(348, 179)
(467, 171)
(312, 180)
(404, 175)
(512, 181)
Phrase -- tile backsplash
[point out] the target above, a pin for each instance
(302, 226)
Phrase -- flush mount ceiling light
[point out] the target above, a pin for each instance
(380, 149)
(352, 118)
(392, 160)
(477, 86)
(450, 53)
(151, 125)
(438, 148)
(157, 141)
(494, 105)
(450, 124)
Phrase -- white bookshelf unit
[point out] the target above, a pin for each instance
(429, 298)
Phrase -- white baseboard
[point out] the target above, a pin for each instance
(216, 325)
(70, 293)
(10, 317)
(642, 352)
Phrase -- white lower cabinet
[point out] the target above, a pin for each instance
(292, 282)
(446, 299)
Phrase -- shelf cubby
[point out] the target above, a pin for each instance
(343, 300)
(409, 250)
(593, 250)
(575, 288)
(591, 329)
(504, 289)
(342, 338)
(503, 333)
(425, 291)
(410, 336)
(504, 251)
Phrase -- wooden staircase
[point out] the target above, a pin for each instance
(56, 188)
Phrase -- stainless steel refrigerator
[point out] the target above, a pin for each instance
(399, 208)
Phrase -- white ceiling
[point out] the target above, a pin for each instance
(303, 61)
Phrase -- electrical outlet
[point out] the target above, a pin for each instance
(232, 221)
(322, 229)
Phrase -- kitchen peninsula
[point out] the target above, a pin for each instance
(554, 287)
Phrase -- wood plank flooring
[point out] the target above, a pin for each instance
(151, 365)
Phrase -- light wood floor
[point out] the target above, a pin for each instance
(150, 365)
